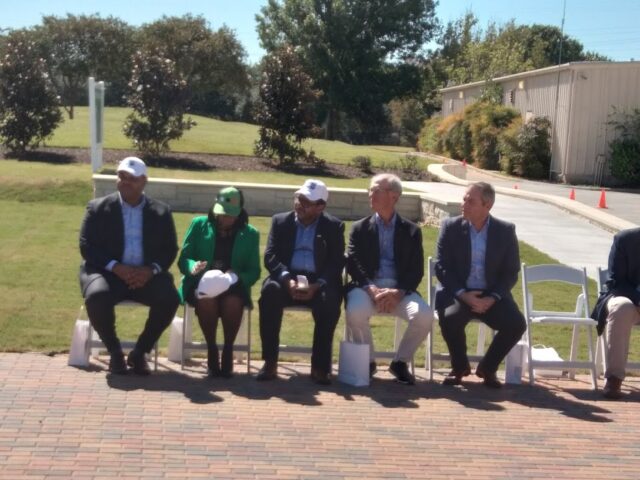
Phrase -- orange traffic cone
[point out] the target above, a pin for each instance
(572, 194)
(464, 163)
(603, 200)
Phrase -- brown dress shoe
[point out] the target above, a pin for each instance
(611, 388)
(455, 376)
(490, 379)
(269, 371)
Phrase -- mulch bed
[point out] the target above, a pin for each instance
(201, 162)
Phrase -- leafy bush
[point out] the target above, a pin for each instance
(456, 137)
(29, 108)
(410, 166)
(158, 97)
(526, 149)
(428, 138)
(625, 150)
(363, 163)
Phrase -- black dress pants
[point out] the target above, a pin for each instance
(102, 290)
(504, 317)
(325, 309)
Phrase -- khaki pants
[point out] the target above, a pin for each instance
(622, 317)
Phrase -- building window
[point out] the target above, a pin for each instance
(512, 97)
(451, 104)
(460, 95)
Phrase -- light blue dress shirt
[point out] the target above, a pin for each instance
(386, 233)
(303, 259)
(477, 279)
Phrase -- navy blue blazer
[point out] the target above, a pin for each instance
(453, 264)
(328, 247)
(624, 273)
(102, 233)
(363, 254)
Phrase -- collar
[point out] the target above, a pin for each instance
(140, 205)
(380, 222)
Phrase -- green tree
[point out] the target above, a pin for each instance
(355, 51)
(79, 46)
(158, 99)
(285, 111)
(29, 107)
(625, 149)
(211, 62)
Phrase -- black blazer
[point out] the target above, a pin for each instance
(453, 264)
(624, 273)
(363, 254)
(102, 233)
(328, 247)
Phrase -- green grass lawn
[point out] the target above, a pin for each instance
(211, 136)
(41, 208)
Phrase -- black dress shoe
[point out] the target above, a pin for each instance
(455, 376)
(611, 388)
(488, 378)
(373, 368)
(320, 376)
(400, 370)
(269, 371)
(138, 362)
(117, 365)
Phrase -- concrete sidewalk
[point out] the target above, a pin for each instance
(62, 422)
(623, 207)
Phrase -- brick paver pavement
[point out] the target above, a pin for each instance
(62, 422)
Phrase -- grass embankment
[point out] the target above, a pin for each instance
(212, 136)
(41, 208)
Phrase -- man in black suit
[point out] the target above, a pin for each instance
(128, 242)
(618, 307)
(304, 257)
(386, 264)
(477, 265)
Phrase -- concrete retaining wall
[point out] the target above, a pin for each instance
(265, 200)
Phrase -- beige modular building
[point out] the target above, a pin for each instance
(578, 98)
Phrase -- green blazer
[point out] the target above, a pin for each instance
(199, 244)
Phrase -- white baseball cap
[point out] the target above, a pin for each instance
(215, 282)
(133, 166)
(314, 190)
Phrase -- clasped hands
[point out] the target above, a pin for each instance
(385, 299)
(477, 300)
(133, 276)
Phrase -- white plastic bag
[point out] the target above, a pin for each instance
(175, 340)
(353, 366)
(514, 362)
(546, 354)
(79, 351)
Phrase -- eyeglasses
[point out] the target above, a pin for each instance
(378, 189)
(304, 202)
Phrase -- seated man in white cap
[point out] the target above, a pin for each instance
(304, 244)
(128, 242)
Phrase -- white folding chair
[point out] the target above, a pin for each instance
(95, 345)
(579, 318)
(430, 356)
(603, 276)
(241, 345)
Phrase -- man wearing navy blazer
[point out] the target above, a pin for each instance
(128, 242)
(386, 263)
(305, 242)
(477, 265)
(618, 307)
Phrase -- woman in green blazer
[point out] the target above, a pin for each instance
(224, 241)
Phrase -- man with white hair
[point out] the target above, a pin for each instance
(386, 263)
(128, 242)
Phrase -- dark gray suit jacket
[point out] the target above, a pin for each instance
(328, 248)
(502, 259)
(102, 234)
(363, 254)
(624, 273)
